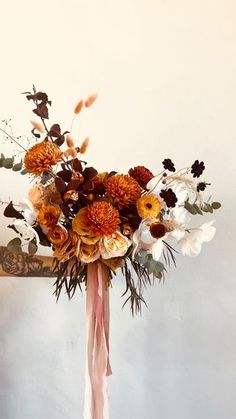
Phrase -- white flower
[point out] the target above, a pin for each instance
(26, 231)
(30, 213)
(180, 215)
(191, 244)
(154, 185)
(143, 239)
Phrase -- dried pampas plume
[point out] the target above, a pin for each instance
(79, 107)
(69, 141)
(84, 145)
(37, 125)
(90, 100)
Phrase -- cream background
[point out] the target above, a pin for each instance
(165, 73)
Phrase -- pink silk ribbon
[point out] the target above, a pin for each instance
(97, 364)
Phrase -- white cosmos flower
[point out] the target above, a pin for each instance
(27, 232)
(191, 244)
(143, 239)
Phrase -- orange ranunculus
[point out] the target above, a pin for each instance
(57, 235)
(48, 215)
(41, 157)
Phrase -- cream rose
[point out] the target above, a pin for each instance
(114, 246)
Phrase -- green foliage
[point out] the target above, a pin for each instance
(32, 247)
(14, 246)
(200, 208)
(153, 267)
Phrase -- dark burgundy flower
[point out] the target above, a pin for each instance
(169, 197)
(141, 174)
(168, 165)
(157, 230)
(201, 186)
(197, 168)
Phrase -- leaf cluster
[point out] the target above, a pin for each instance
(195, 208)
(10, 163)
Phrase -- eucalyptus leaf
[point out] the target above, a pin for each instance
(8, 163)
(197, 209)
(2, 158)
(14, 246)
(157, 274)
(190, 208)
(17, 167)
(32, 248)
(23, 172)
(160, 266)
(209, 207)
(216, 205)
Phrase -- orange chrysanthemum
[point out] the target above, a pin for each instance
(123, 189)
(41, 157)
(48, 215)
(102, 218)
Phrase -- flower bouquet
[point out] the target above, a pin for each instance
(97, 223)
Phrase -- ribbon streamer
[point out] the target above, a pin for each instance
(97, 363)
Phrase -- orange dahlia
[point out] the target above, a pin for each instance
(48, 215)
(123, 189)
(41, 157)
(102, 218)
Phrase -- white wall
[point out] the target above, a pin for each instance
(165, 71)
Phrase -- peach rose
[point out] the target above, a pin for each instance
(114, 246)
(38, 196)
(68, 249)
(113, 263)
(89, 252)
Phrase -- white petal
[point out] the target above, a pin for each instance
(190, 246)
(146, 237)
(156, 249)
(154, 186)
(180, 215)
(208, 231)
(27, 232)
(177, 234)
